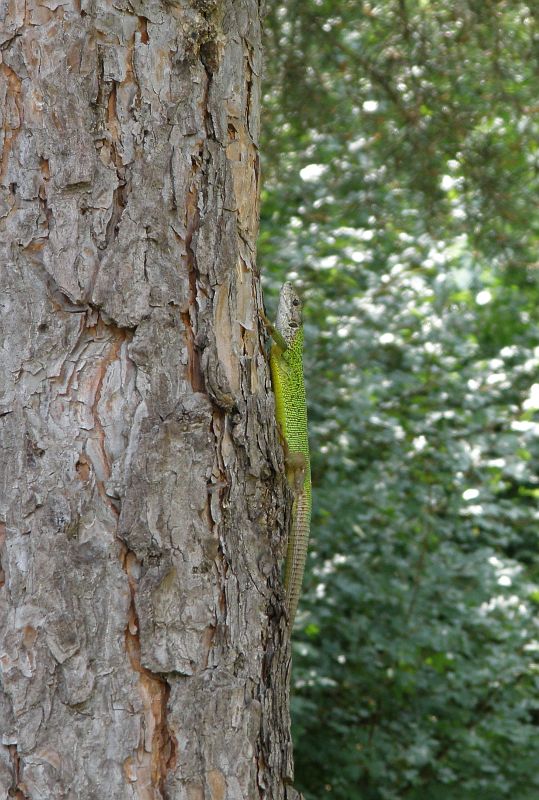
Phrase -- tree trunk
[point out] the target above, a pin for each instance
(142, 642)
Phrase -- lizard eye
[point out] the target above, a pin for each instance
(293, 325)
(295, 301)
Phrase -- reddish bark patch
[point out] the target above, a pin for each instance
(156, 753)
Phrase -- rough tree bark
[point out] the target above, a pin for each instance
(142, 645)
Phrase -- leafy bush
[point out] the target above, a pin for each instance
(401, 164)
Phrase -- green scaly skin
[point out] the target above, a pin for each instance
(286, 364)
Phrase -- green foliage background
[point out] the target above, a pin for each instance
(401, 162)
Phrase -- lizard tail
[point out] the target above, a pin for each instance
(297, 553)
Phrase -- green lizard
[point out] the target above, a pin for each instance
(286, 364)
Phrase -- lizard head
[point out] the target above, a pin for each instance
(289, 318)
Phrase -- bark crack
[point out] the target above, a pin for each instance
(120, 193)
(12, 120)
(2, 542)
(192, 214)
(143, 29)
(17, 787)
(156, 753)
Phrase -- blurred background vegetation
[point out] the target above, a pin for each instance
(401, 178)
